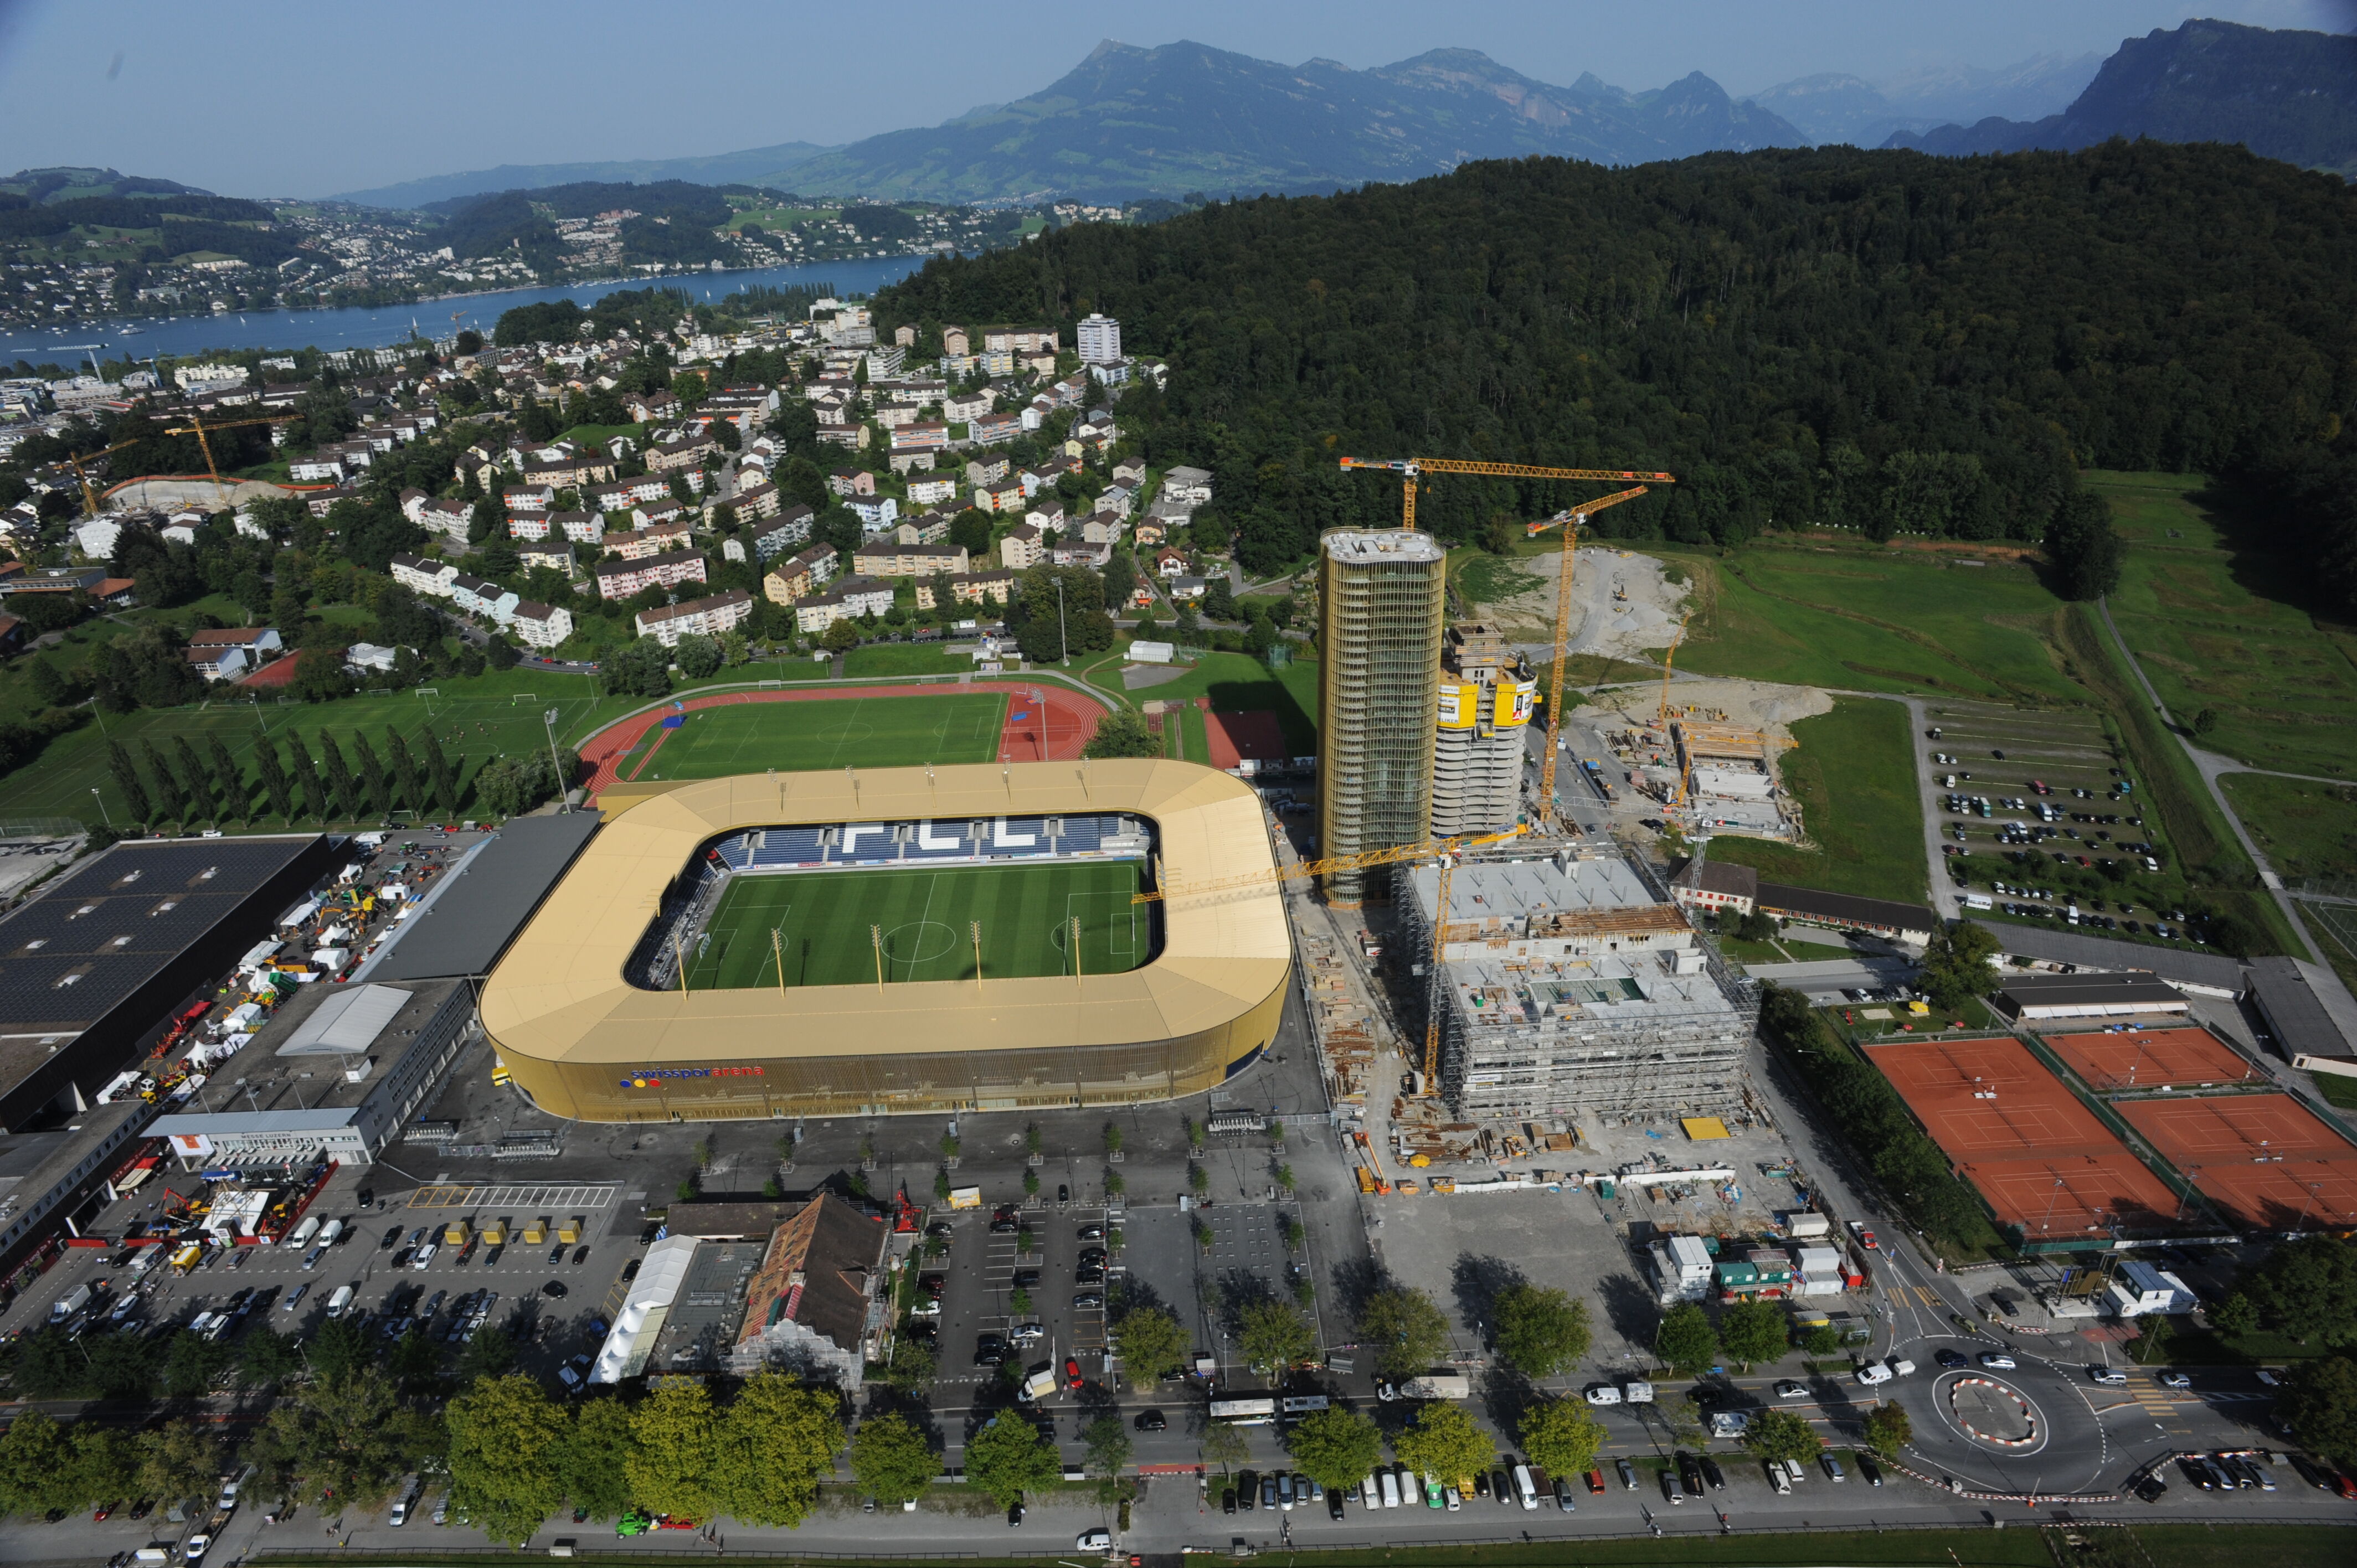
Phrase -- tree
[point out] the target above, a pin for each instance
(236, 803)
(696, 656)
(1122, 732)
(1888, 1429)
(1408, 1332)
(100, 1461)
(347, 1440)
(1225, 1444)
(1561, 1436)
(1442, 1441)
(2151, 1346)
(198, 779)
(1957, 966)
(320, 675)
(307, 776)
(127, 782)
(194, 1364)
(1684, 1341)
(505, 1434)
(35, 1466)
(1753, 1331)
(179, 1459)
(445, 778)
(373, 783)
(891, 1460)
(162, 786)
(642, 668)
(341, 787)
(913, 1363)
(1335, 1447)
(840, 637)
(594, 1460)
(2083, 547)
(2237, 1315)
(2205, 721)
(1151, 1343)
(1106, 1455)
(2308, 1289)
(2320, 1408)
(1008, 1458)
(407, 793)
(670, 1458)
(1781, 1435)
(1541, 1331)
(1274, 1336)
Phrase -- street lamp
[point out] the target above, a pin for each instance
(101, 807)
(1063, 638)
(548, 722)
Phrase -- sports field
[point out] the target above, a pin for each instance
(2266, 1159)
(824, 925)
(865, 732)
(2148, 1058)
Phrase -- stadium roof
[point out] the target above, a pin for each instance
(462, 925)
(559, 994)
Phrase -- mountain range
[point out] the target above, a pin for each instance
(2288, 95)
(755, 166)
(1831, 107)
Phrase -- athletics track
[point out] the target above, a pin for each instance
(1050, 730)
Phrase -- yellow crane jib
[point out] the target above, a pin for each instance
(1391, 855)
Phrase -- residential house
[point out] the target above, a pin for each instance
(874, 512)
(1192, 485)
(318, 468)
(1149, 534)
(656, 514)
(685, 455)
(766, 540)
(580, 527)
(890, 558)
(453, 518)
(926, 436)
(540, 626)
(1102, 528)
(925, 527)
(800, 577)
(1130, 471)
(1169, 565)
(421, 576)
(932, 491)
(992, 429)
(649, 407)
(1019, 339)
(975, 587)
(529, 498)
(1171, 514)
(528, 524)
(218, 661)
(1076, 552)
(1021, 548)
(954, 340)
(1116, 498)
(1006, 495)
(853, 597)
(709, 617)
(986, 471)
(555, 557)
(754, 503)
(652, 540)
(319, 503)
(621, 495)
(620, 579)
(261, 643)
(1048, 517)
(959, 408)
(1185, 587)
(849, 482)
(474, 596)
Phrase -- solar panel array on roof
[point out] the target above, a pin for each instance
(112, 922)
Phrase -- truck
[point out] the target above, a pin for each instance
(1433, 1385)
(1040, 1382)
(73, 1301)
(339, 1302)
(329, 1231)
(966, 1197)
(302, 1234)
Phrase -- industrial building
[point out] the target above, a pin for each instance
(1486, 691)
(1570, 985)
(93, 971)
(337, 1074)
(1381, 597)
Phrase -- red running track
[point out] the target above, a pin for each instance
(1052, 729)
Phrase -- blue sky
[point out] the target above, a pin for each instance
(276, 98)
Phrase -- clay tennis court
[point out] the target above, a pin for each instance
(2146, 1058)
(2265, 1159)
(2043, 1162)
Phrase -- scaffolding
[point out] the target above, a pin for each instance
(1570, 984)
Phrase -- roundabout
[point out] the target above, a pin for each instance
(1996, 1415)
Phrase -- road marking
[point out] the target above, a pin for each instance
(448, 1195)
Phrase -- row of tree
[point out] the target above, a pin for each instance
(350, 780)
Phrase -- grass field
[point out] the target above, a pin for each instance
(1236, 683)
(2305, 830)
(1854, 775)
(2216, 623)
(863, 732)
(823, 921)
(1871, 619)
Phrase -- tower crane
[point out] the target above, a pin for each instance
(1570, 522)
(1410, 468)
(196, 427)
(74, 461)
(1669, 662)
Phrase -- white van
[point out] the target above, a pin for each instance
(1525, 1487)
(339, 1302)
(1391, 1490)
(303, 1233)
(404, 1505)
(329, 1231)
(1370, 1495)
(1637, 1392)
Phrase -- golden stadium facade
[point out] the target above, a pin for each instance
(585, 1042)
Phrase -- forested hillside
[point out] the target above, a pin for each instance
(1872, 339)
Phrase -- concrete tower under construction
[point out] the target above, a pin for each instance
(1380, 602)
(1486, 695)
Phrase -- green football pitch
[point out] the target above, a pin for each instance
(824, 925)
(865, 732)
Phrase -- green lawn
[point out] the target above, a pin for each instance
(822, 925)
(864, 732)
(2216, 624)
(1866, 619)
(904, 658)
(2305, 830)
(1853, 774)
(475, 720)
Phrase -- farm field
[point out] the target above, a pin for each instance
(1854, 775)
(850, 731)
(2305, 830)
(2216, 624)
(1876, 620)
(824, 922)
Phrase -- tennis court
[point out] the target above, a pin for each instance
(2148, 1058)
(842, 928)
(2266, 1159)
(2042, 1160)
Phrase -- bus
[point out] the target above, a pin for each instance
(1298, 1406)
(1257, 1410)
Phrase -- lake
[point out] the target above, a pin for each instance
(374, 327)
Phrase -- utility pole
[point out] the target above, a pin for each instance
(101, 807)
(548, 722)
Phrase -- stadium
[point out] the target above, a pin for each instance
(902, 940)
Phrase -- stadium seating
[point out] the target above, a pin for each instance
(1010, 838)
